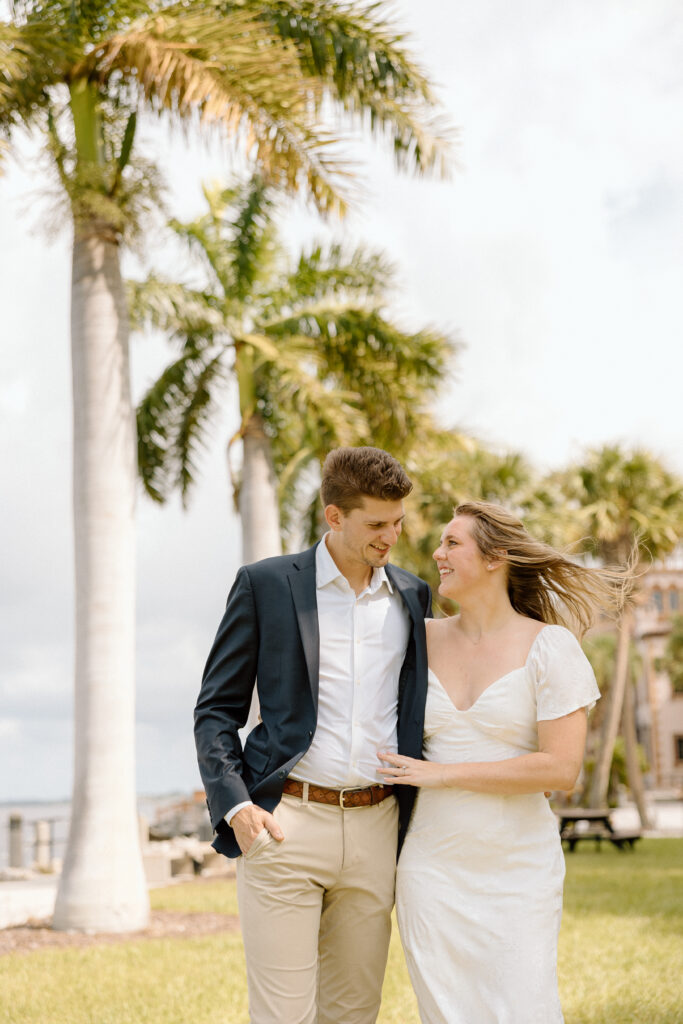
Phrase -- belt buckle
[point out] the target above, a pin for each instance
(348, 789)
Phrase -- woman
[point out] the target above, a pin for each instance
(479, 884)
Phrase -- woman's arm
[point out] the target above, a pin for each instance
(555, 765)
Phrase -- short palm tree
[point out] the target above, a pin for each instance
(317, 360)
(621, 505)
(79, 72)
(601, 650)
(448, 468)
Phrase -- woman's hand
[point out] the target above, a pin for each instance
(399, 770)
(555, 765)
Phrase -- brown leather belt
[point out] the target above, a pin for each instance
(345, 798)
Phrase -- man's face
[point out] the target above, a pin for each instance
(367, 534)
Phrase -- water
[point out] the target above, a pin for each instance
(58, 813)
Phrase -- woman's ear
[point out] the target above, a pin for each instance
(495, 560)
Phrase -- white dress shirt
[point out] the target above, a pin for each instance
(363, 641)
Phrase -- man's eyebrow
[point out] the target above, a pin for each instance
(383, 522)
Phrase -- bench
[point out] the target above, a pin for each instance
(594, 832)
(625, 840)
(622, 840)
(595, 825)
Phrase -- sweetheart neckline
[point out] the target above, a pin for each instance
(520, 668)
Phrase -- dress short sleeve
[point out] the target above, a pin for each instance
(564, 677)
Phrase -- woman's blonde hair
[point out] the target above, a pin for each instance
(544, 583)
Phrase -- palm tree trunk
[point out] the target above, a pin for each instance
(633, 772)
(258, 496)
(259, 512)
(102, 887)
(603, 763)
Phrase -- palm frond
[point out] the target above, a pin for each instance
(236, 240)
(176, 308)
(172, 418)
(419, 140)
(231, 71)
(32, 59)
(355, 341)
(156, 415)
(363, 59)
(251, 242)
(326, 271)
(194, 422)
(264, 347)
(324, 416)
(207, 249)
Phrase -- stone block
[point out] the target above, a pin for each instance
(157, 867)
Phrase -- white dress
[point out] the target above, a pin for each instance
(479, 884)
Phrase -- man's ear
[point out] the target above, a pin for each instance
(334, 517)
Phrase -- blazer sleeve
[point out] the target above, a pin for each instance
(224, 700)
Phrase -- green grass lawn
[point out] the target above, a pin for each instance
(621, 952)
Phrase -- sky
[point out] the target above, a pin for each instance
(554, 252)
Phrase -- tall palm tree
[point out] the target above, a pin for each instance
(317, 360)
(79, 72)
(622, 504)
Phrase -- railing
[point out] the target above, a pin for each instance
(35, 835)
(34, 843)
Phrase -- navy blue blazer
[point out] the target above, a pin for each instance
(269, 637)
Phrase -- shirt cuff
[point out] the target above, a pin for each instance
(238, 807)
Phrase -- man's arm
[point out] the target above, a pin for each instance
(224, 701)
(222, 709)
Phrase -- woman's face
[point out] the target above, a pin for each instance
(461, 565)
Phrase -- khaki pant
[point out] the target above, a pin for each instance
(315, 912)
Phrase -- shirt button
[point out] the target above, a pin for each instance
(282, 775)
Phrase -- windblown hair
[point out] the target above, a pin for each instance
(544, 583)
(350, 474)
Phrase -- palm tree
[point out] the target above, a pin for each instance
(80, 73)
(623, 504)
(448, 468)
(316, 359)
(601, 649)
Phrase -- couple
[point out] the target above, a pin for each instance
(354, 692)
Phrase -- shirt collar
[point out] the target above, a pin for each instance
(326, 570)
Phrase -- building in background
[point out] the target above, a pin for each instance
(660, 707)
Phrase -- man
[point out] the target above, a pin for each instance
(334, 641)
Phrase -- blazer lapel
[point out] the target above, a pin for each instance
(409, 595)
(302, 585)
(416, 676)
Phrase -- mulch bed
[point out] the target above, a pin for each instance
(163, 924)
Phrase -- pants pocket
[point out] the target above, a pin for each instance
(261, 840)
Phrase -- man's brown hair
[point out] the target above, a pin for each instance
(350, 474)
